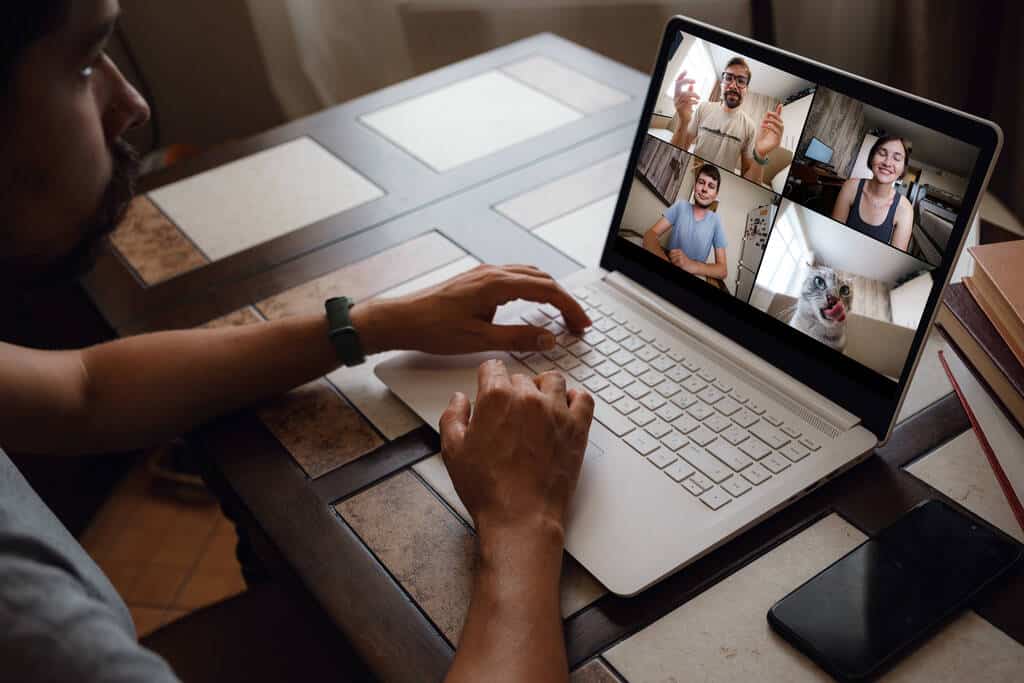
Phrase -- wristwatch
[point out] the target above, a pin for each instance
(343, 336)
(759, 160)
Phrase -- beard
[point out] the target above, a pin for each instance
(109, 211)
(732, 99)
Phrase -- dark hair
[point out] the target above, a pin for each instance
(739, 61)
(25, 22)
(907, 147)
(711, 172)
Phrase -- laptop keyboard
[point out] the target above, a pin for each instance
(671, 407)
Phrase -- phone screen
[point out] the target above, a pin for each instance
(858, 614)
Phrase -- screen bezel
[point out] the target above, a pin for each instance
(872, 397)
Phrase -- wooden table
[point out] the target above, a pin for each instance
(335, 477)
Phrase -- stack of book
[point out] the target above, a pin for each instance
(983, 318)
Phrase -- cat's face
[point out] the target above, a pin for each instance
(826, 295)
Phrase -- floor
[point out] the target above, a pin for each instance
(166, 553)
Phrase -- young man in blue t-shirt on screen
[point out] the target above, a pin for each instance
(696, 229)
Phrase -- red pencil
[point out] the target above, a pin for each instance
(986, 447)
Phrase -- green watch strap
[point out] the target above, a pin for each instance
(343, 336)
(758, 160)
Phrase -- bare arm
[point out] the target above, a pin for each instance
(904, 225)
(139, 390)
(719, 269)
(682, 137)
(652, 238)
(514, 460)
(752, 170)
(684, 101)
(841, 210)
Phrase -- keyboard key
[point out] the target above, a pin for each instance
(616, 333)
(734, 435)
(702, 436)
(730, 455)
(770, 435)
(795, 452)
(555, 353)
(592, 358)
(607, 369)
(539, 364)
(554, 327)
(791, 431)
(674, 440)
(606, 307)
(771, 419)
(676, 355)
(710, 395)
(646, 335)
(641, 416)
(652, 401)
(692, 486)
(727, 407)
(622, 357)
(775, 462)
(651, 378)
(677, 374)
(595, 383)
(550, 311)
(535, 318)
(717, 423)
(642, 442)
(736, 486)
(679, 470)
(693, 385)
(755, 408)
(755, 449)
(637, 390)
(578, 349)
(684, 400)
(668, 389)
(744, 418)
(632, 344)
(593, 337)
(647, 354)
(661, 458)
(660, 345)
(611, 394)
(637, 367)
(685, 424)
(668, 412)
(809, 444)
(581, 373)
(739, 396)
(621, 319)
(626, 405)
(706, 376)
(617, 424)
(607, 347)
(703, 482)
(568, 362)
(658, 429)
(604, 324)
(581, 293)
(621, 379)
(724, 387)
(661, 363)
(691, 364)
(756, 474)
(715, 498)
(701, 411)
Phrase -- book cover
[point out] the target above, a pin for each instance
(998, 285)
(974, 337)
(998, 314)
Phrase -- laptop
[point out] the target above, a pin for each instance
(758, 314)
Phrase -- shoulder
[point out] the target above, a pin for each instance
(905, 207)
(850, 187)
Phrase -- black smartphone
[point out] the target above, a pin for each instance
(858, 616)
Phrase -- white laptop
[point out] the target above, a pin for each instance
(724, 395)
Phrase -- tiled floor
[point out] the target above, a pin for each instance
(166, 557)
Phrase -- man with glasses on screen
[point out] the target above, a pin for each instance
(719, 131)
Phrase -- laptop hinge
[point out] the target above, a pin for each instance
(725, 351)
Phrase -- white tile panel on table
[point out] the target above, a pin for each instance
(566, 194)
(249, 201)
(581, 234)
(566, 85)
(469, 119)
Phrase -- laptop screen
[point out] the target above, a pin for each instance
(785, 193)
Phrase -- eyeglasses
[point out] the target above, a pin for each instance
(728, 78)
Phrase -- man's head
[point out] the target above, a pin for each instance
(67, 173)
(735, 80)
(705, 188)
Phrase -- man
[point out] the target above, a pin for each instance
(720, 132)
(67, 176)
(696, 229)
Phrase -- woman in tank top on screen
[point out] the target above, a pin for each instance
(872, 205)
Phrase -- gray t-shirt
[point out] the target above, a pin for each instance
(60, 618)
